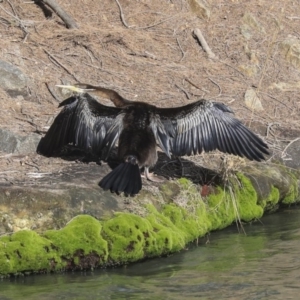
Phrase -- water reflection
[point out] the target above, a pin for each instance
(264, 264)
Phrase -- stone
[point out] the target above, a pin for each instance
(249, 24)
(14, 143)
(12, 80)
(291, 50)
(252, 101)
(200, 9)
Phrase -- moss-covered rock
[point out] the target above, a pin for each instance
(246, 195)
(77, 241)
(25, 251)
(159, 222)
(270, 203)
(235, 201)
(70, 247)
(220, 209)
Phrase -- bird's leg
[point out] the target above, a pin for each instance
(181, 165)
(152, 177)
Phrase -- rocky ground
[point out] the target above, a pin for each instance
(147, 51)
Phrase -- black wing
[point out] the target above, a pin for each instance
(205, 126)
(85, 123)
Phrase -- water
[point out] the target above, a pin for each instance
(265, 264)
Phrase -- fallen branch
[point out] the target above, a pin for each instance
(197, 32)
(70, 23)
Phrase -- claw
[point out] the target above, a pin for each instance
(152, 177)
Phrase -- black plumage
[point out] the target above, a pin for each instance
(138, 127)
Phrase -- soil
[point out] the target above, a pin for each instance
(146, 51)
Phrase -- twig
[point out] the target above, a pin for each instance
(183, 90)
(235, 69)
(158, 23)
(31, 165)
(272, 97)
(292, 18)
(289, 144)
(167, 163)
(88, 53)
(60, 64)
(12, 7)
(145, 27)
(269, 128)
(183, 53)
(21, 24)
(28, 121)
(115, 74)
(53, 94)
(37, 175)
(5, 21)
(220, 90)
(197, 32)
(27, 58)
(238, 219)
(150, 55)
(122, 15)
(70, 23)
(197, 87)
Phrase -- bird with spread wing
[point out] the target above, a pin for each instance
(138, 127)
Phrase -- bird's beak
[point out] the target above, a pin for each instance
(74, 88)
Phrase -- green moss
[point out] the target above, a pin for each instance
(27, 251)
(292, 177)
(123, 238)
(169, 238)
(272, 200)
(190, 225)
(184, 182)
(238, 200)
(247, 199)
(23, 251)
(291, 195)
(220, 209)
(190, 215)
(81, 237)
(129, 237)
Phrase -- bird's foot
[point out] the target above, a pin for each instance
(152, 177)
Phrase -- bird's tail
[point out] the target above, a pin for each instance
(126, 178)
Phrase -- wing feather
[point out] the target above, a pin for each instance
(85, 123)
(205, 126)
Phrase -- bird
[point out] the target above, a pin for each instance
(138, 127)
